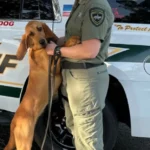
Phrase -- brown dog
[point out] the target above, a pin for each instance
(36, 95)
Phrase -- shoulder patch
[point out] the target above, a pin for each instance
(97, 16)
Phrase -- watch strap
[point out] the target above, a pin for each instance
(57, 51)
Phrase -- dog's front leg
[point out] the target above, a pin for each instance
(23, 132)
(11, 143)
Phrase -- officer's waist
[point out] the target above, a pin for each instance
(81, 65)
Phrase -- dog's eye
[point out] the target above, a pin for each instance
(31, 33)
(39, 28)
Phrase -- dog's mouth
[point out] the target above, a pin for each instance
(39, 47)
(47, 41)
(42, 44)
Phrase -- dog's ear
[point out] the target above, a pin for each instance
(22, 49)
(48, 33)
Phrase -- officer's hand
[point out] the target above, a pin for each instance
(50, 48)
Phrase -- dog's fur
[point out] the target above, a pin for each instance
(36, 95)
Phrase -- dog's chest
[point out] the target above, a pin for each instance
(38, 61)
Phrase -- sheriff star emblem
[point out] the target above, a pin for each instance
(96, 16)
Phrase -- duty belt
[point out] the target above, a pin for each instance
(74, 65)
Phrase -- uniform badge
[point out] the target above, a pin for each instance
(97, 16)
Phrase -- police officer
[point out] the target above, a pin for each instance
(85, 76)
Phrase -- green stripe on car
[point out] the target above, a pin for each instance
(10, 91)
(135, 53)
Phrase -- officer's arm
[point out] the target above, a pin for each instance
(87, 50)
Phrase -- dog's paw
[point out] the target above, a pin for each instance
(73, 41)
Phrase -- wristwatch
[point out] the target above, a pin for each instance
(57, 51)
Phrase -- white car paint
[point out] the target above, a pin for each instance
(136, 84)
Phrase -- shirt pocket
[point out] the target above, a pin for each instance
(79, 74)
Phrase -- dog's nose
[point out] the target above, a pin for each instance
(42, 42)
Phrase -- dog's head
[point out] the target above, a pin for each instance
(35, 37)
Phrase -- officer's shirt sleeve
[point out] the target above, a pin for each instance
(95, 24)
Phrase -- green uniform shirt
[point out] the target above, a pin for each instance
(91, 19)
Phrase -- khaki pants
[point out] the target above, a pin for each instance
(86, 90)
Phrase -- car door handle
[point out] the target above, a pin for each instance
(146, 60)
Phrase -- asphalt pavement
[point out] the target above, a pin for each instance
(124, 141)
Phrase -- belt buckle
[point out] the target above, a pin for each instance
(85, 65)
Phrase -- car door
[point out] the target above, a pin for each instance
(14, 15)
(130, 40)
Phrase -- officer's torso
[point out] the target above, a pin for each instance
(75, 21)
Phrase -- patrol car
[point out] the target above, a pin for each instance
(128, 97)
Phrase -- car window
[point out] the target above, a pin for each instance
(10, 9)
(26, 9)
(37, 9)
(131, 11)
